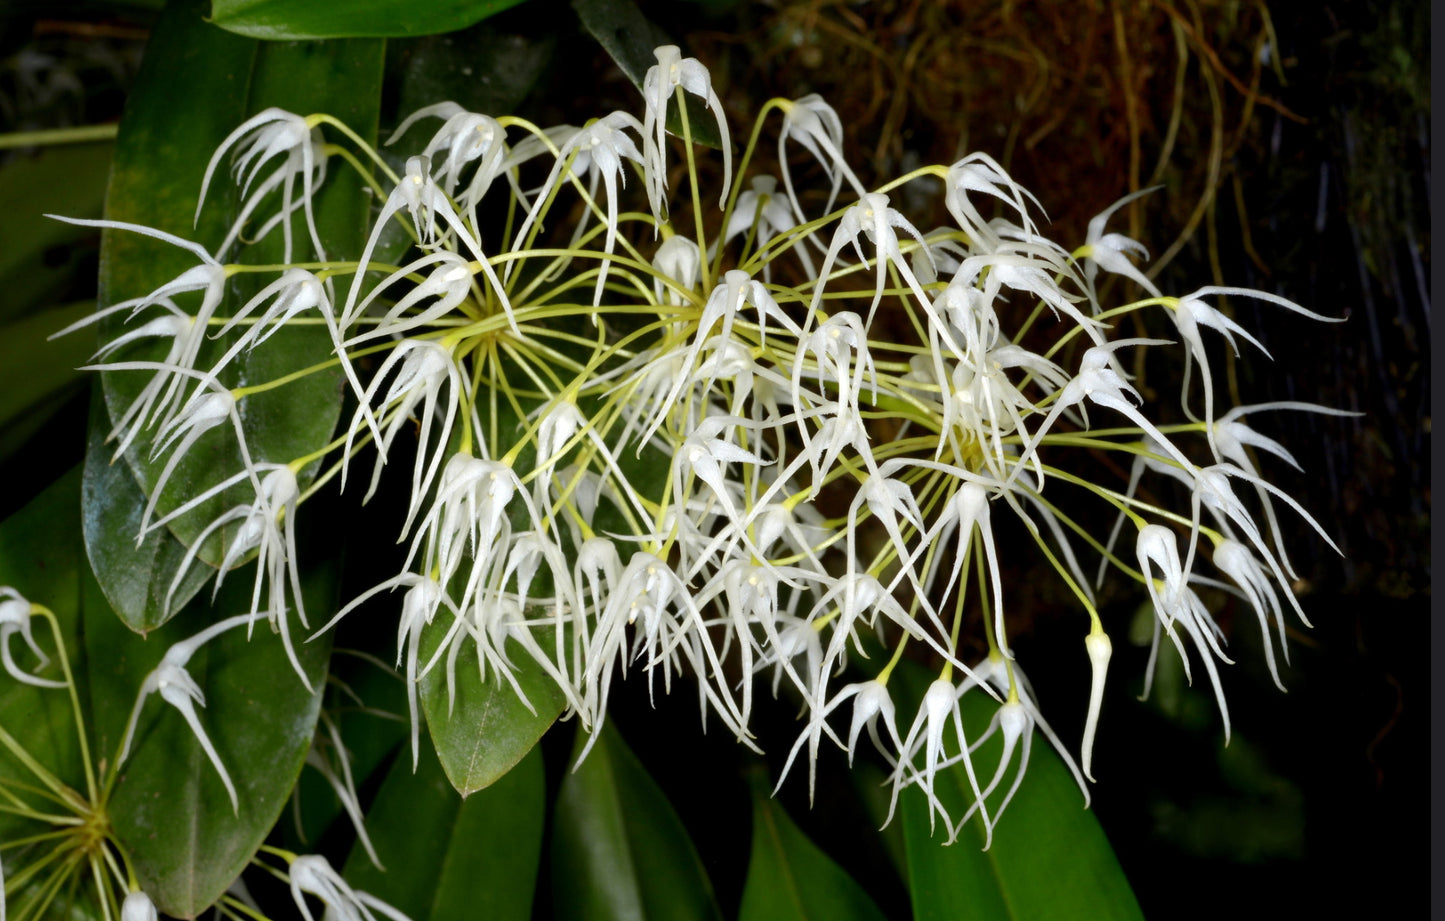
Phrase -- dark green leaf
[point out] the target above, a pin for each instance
(618, 848)
(448, 857)
(170, 807)
(136, 579)
(1049, 857)
(480, 69)
(790, 878)
(38, 377)
(288, 20)
(198, 83)
(630, 37)
(34, 370)
(870, 783)
(486, 729)
(38, 256)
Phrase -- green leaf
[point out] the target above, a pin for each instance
(289, 20)
(38, 256)
(486, 729)
(630, 37)
(170, 807)
(480, 69)
(449, 857)
(1049, 857)
(135, 578)
(790, 878)
(34, 370)
(196, 85)
(618, 848)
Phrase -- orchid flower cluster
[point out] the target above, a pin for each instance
(727, 433)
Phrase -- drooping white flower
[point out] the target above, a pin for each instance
(659, 85)
(872, 217)
(1099, 383)
(137, 907)
(424, 368)
(763, 213)
(1109, 251)
(816, 125)
(598, 150)
(1175, 603)
(464, 138)
(270, 134)
(177, 688)
(15, 613)
(434, 219)
(266, 525)
(926, 737)
(978, 172)
(209, 278)
(312, 874)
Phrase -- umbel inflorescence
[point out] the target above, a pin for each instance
(627, 394)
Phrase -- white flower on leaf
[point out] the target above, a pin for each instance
(209, 406)
(186, 337)
(872, 703)
(465, 137)
(268, 526)
(1015, 720)
(209, 278)
(659, 85)
(598, 150)
(419, 606)
(926, 736)
(434, 220)
(204, 411)
(446, 285)
(423, 369)
(177, 688)
(264, 137)
(323, 749)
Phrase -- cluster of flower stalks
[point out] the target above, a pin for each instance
(728, 433)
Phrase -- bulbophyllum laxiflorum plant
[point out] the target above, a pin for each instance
(687, 424)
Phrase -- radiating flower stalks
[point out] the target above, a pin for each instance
(626, 429)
